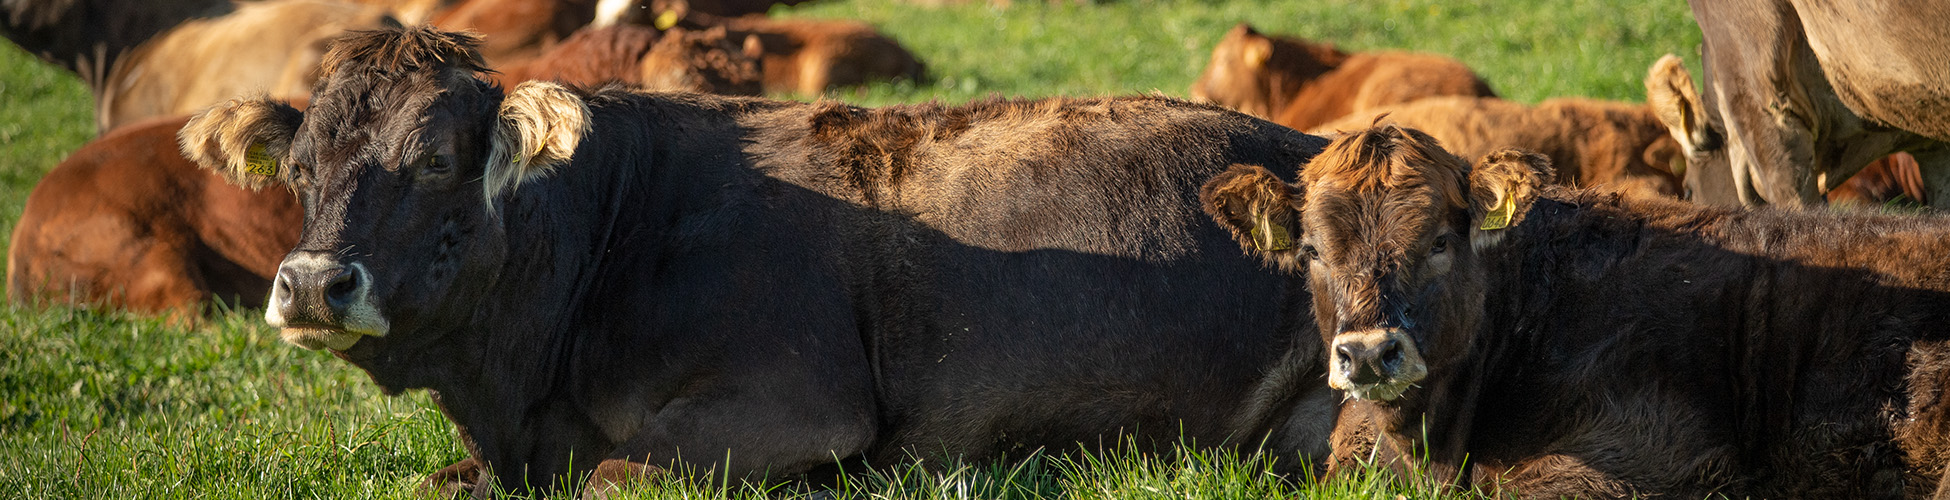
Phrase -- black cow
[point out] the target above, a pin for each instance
(612, 281)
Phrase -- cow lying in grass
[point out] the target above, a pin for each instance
(1557, 342)
(127, 222)
(1613, 146)
(614, 282)
(1303, 84)
(679, 60)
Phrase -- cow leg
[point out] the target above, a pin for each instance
(462, 476)
(613, 475)
(1934, 164)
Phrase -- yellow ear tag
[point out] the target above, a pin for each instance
(1270, 237)
(1500, 217)
(258, 162)
(666, 20)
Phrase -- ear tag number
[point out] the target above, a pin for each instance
(1500, 217)
(258, 162)
(1271, 237)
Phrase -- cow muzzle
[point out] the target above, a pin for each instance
(1375, 364)
(319, 302)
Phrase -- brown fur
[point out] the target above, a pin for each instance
(811, 56)
(679, 60)
(1892, 179)
(271, 46)
(515, 31)
(127, 222)
(1302, 84)
(1612, 146)
(710, 61)
(1602, 346)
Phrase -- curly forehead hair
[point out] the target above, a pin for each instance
(405, 50)
(1388, 158)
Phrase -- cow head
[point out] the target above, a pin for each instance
(1708, 173)
(1256, 74)
(1390, 229)
(711, 61)
(400, 162)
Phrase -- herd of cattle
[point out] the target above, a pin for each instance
(1341, 258)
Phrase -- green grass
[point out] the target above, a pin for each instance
(108, 405)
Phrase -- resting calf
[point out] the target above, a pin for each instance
(1556, 342)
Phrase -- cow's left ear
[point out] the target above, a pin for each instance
(1501, 189)
(540, 125)
(1262, 212)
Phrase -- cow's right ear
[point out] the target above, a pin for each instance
(1261, 211)
(1669, 91)
(540, 125)
(243, 140)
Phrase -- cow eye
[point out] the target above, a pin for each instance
(436, 164)
(1441, 245)
(1310, 252)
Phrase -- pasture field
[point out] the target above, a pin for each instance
(105, 404)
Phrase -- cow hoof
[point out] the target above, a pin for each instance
(461, 477)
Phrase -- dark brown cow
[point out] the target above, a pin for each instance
(271, 46)
(1302, 84)
(126, 221)
(1800, 94)
(612, 282)
(683, 60)
(1559, 342)
(1613, 146)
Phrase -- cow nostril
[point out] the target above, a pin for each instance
(1391, 354)
(1345, 355)
(339, 293)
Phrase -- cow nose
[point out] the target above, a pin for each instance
(315, 289)
(1368, 364)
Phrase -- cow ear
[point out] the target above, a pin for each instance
(540, 125)
(1669, 91)
(1501, 189)
(1261, 211)
(1256, 51)
(244, 140)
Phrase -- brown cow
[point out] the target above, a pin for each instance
(683, 60)
(1302, 84)
(1799, 94)
(127, 221)
(810, 56)
(517, 30)
(1551, 342)
(614, 282)
(1614, 146)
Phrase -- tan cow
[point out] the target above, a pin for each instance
(1302, 84)
(1614, 146)
(271, 46)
